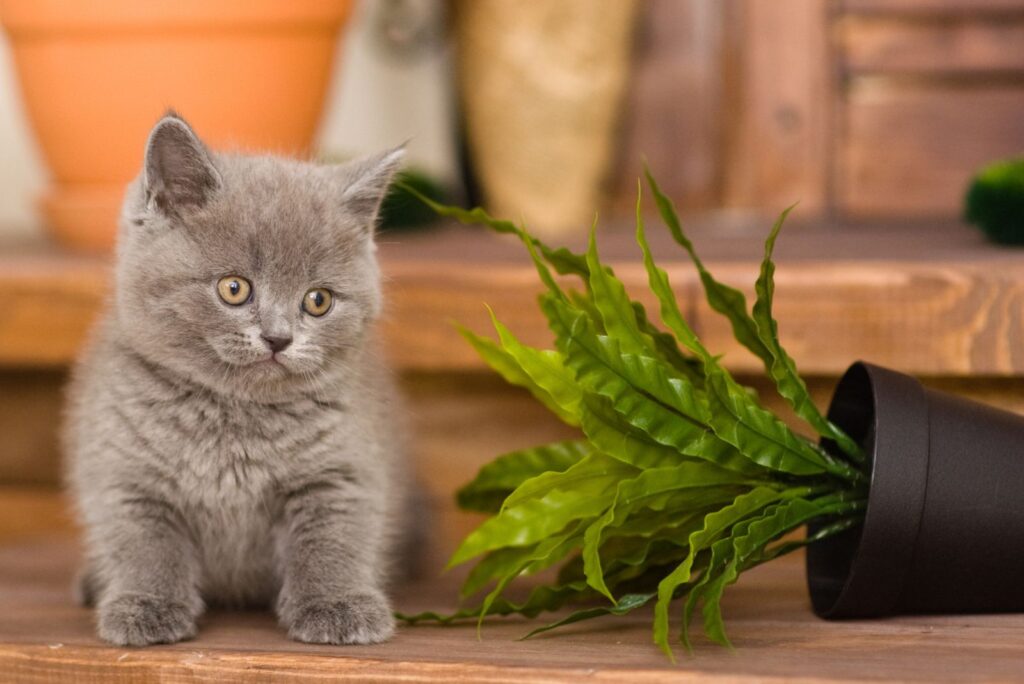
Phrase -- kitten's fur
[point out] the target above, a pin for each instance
(204, 472)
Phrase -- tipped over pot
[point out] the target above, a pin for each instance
(944, 527)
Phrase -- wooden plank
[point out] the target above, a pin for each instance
(672, 116)
(459, 422)
(28, 513)
(47, 304)
(933, 7)
(920, 318)
(872, 45)
(911, 150)
(878, 285)
(777, 77)
(31, 406)
(45, 638)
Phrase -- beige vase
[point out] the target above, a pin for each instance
(542, 85)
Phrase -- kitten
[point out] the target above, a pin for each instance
(230, 430)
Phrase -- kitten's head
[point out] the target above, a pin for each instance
(255, 276)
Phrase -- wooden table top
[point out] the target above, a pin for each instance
(926, 299)
(44, 637)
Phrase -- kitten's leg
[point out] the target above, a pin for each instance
(145, 565)
(86, 587)
(331, 591)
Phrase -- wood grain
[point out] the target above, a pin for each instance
(47, 304)
(880, 45)
(672, 117)
(912, 150)
(31, 407)
(776, 104)
(31, 512)
(921, 318)
(932, 299)
(45, 638)
(934, 7)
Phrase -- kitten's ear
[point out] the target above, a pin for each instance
(179, 174)
(366, 183)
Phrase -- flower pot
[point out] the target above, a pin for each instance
(96, 75)
(944, 527)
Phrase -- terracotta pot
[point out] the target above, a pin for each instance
(95, 75)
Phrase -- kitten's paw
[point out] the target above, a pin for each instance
(356, 618)
(141, 619)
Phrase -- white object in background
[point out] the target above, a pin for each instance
(396, 84)
(21, 170)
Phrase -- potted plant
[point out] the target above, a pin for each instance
(995, 201)
(95, 76)
(680, 480)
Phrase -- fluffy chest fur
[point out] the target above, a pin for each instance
(226, 466)
(235, 463)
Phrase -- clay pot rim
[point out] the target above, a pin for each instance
(53, 18)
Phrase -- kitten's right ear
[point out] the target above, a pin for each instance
(179, 173)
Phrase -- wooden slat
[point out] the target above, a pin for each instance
(672, 116)
(777, 108)
(31, 407)
(45, 638)
(912, 150)
(873, 45)
(934, 7)
(47, 304)
(33, 512)
(877, 290)
(931, 319)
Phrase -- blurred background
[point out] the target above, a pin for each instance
(874, 114)
(859, 109)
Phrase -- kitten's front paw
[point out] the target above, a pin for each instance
(356, 618)
(141, 619)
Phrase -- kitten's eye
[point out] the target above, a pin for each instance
(234, 290)
(317, 301)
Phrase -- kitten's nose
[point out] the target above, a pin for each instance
(275, 343)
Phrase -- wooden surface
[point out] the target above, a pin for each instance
(914, 149)
(44, 637)
(674, 103)
(777, 106)
(931, 299)
(990, 46)
(934, 7)
(930, 91)
(744, 103)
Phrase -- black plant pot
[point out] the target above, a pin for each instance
(944, 527)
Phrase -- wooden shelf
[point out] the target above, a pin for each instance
(928, 299)
(44, 637)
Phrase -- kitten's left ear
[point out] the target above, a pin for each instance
(366, 184)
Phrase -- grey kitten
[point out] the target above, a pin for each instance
(231, 434)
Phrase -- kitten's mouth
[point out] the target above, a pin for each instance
(274, 361)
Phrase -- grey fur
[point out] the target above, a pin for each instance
(204, 473)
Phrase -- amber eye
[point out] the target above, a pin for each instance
(234, 290)
(317, 301)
